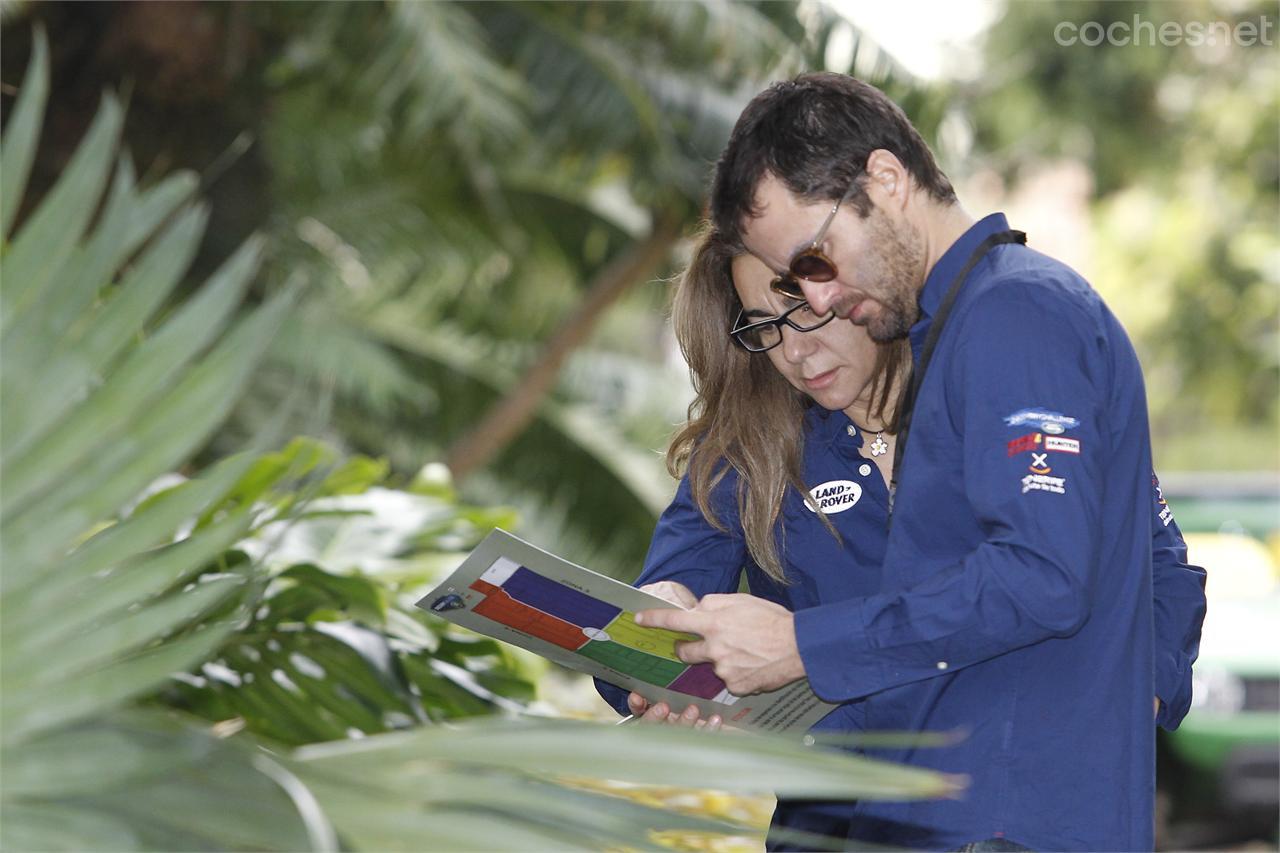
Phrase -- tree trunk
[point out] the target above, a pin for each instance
(510, 415)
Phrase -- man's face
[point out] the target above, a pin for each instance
(879, 266)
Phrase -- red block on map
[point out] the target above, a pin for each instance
(502, 608)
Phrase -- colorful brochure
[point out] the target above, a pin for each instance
(520, 594)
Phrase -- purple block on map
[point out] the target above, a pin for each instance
(559, 600)
(698, 680)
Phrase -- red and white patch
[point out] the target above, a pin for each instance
(1030, 441)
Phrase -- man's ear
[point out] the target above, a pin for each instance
(888, 179)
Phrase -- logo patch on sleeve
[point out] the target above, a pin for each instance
(835, 495)
(1022, 443)
(1041, 483)
(1053, 423)
(1166, 511)
(1062, 445)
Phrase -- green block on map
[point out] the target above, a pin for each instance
(646, 667)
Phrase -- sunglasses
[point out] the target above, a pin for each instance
(763, 335)
(810, 263)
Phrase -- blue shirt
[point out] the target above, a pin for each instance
(835, 585)
(1017, 585)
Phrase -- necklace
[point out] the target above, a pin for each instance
(879, 447)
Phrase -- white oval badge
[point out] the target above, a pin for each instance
(835, 495)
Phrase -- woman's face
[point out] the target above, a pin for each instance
(833, 364)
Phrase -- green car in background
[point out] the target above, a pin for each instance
(1222, 765)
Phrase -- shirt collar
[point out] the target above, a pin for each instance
(953, 260)
(830, 427)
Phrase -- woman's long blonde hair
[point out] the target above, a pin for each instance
(745, 415)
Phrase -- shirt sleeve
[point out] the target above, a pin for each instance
(687, 549)
(1032, 577)
(1179, 609)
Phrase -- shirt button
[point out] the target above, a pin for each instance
(809, 740)
(942, 664)
(864, 469)
(851, 429)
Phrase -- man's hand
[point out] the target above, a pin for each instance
(681, 596)
(750, 642)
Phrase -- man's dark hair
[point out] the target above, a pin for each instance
(814, 134)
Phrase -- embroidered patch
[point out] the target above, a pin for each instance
(1054, 423)
(1166, 511)
(1062, 445)
(1039, 463)
(1024, 442)
(835, 495)
(1041, 483)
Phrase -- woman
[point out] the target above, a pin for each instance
(794, 442)
(785, 460)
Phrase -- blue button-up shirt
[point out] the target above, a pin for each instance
(843, 598)
(1017, 582)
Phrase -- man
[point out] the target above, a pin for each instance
(1017, 583)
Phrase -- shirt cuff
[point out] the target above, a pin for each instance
(1171, 683)
(836, 654)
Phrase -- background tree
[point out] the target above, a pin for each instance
(1181, 143)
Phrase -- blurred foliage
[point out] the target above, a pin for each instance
(334, 647)
(1181, 141)
(271, 583)
(448, 177)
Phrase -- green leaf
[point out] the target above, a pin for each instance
(158, 439)
(104, 620)
(378, 823)
(143, 379)
(152, 522)
(298, 458)
(47, 826)
(83, 760)
(359, 597)
(37, 711)
(641, 754)
(73, 655)
(45, 242)
(194, 791)
(18, 150)
(355, 475)
(63, 380)
(34, 340)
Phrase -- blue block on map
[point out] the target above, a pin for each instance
(559, 600)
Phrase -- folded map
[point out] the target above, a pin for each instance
(515, 592)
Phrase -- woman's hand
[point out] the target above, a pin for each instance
(661, 713)
(672, 592)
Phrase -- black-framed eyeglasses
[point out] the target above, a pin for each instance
(766, 334)
(810, 263)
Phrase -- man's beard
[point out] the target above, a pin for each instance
(893, 265)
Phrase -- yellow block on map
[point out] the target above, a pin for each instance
(654, 641)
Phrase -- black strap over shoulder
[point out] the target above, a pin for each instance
(907, 402)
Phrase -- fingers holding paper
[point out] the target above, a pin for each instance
(661, 712)
(672, 592)
(751, 642)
